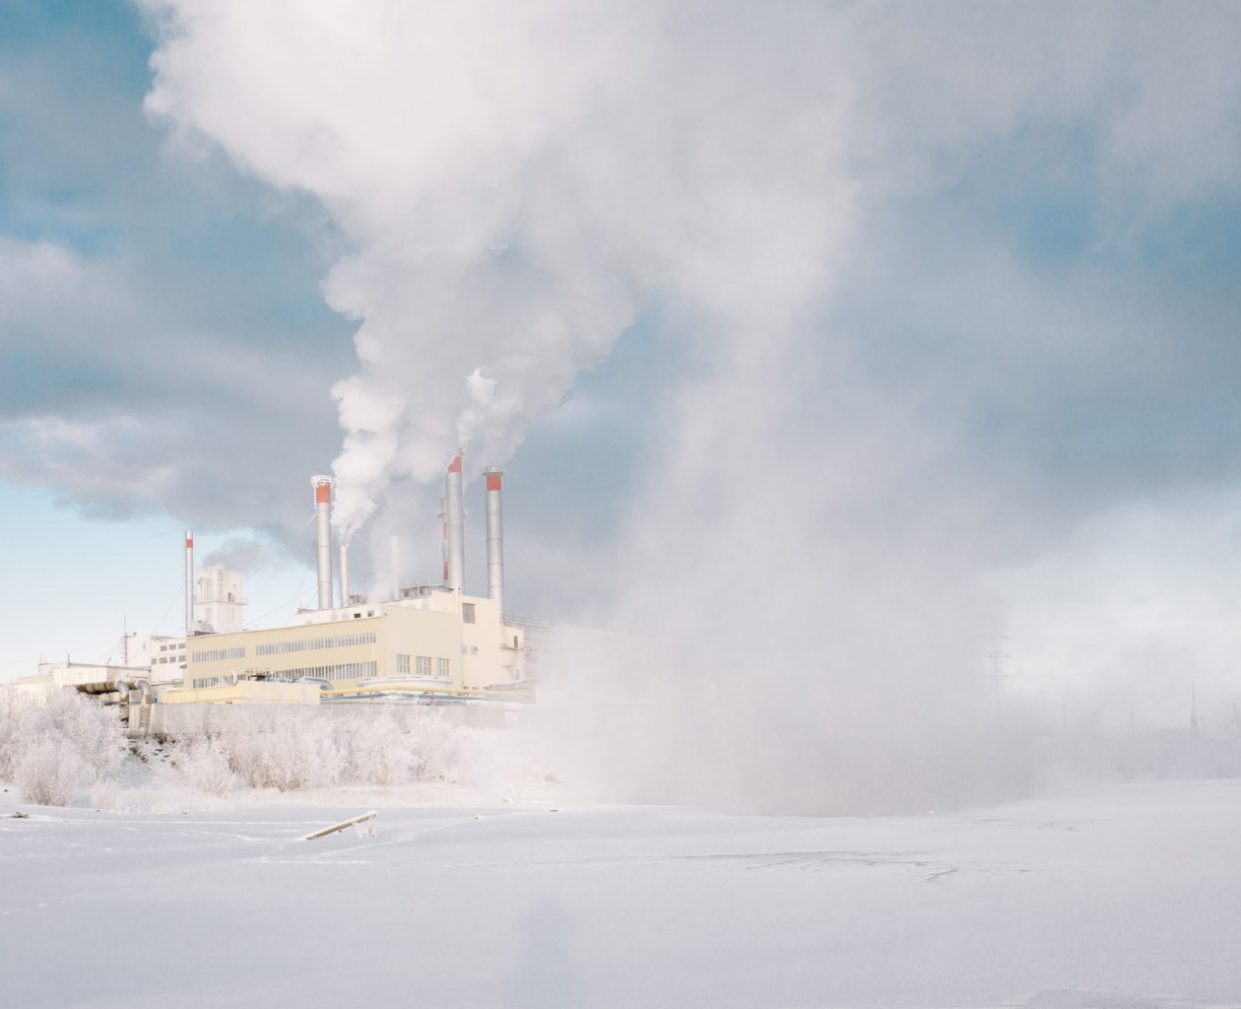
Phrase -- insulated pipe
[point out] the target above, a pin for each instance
(323, 521)
(456, 526)
(344, 575)
(189, 585)
(495, 538)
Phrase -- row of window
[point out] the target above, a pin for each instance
(314, 644)
(420, 665)
(343, 671)
(216, 654)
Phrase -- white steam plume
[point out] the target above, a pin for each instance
(515, 180)
(519, 181)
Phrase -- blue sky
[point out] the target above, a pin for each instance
(203, 256)
(977, 273)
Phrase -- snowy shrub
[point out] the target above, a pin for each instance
(203, 763)
(93, 731)
(52, 748)
(281, 747)
(377, 749)
(294, 748)
(49, 773)
(12, 740)
(437, 748)
(105, 794)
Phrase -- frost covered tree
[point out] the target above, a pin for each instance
(52, 749)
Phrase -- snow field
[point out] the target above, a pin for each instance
(1120, 899)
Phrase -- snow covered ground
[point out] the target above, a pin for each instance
(1127, 897)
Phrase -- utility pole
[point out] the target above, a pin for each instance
(996, 657)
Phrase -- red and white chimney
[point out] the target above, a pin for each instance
(456, 525)
(495, 538)
(323, 527)
(189, 584)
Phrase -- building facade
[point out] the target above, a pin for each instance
(431, 641)
(221, 604)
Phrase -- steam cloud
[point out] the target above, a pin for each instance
(517, 181)
(520, 182)
(239, 554)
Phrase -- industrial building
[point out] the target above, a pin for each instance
(432, 643)
(219, 607)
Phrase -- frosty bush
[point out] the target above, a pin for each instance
(11, 732)
(437, 748)
(377, 751)
(105, 794)
(49, 773)
(203, 763)
(50, 749)
(284, 748)
(290, 748)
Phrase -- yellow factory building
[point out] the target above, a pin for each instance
(432, 641)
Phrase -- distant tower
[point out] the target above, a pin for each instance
(189, 584)
(323, 536)
(222, 600)
(495, 538)
(456, 524)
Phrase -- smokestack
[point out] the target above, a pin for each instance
(394, 556)
(495, 538)
(443, 516)
(456, 526)
(189, 584)
(344, 574)
(323, 522)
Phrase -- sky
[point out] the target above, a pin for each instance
(895, 334)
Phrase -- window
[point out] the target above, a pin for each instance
(215, 681)
(314, 644)
(402, 665)
(216, 654)
(424, 665)
(344, 671)
(467, 612)
(443, 669)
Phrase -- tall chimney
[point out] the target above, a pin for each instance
(323, 525)
(394, 558)
(495, 538)
(456, 526)
(443, 517)
(344, 574)
(189, 585)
